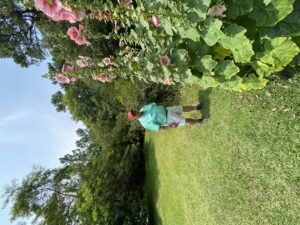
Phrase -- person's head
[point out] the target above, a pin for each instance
(133, 115)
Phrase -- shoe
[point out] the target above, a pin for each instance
(202, 121)
(200, 105)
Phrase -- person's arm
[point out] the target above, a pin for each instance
(165, 104)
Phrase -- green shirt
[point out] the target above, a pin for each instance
(153, 116)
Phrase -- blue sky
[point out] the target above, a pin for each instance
(31, 131)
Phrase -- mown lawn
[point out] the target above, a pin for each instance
(243, 167)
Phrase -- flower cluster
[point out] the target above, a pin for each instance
(58, 12)
(75, 35)
(102, 78)
(64, 78)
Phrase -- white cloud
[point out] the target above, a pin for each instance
(16, 116)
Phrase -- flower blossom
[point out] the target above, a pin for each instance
(97, 15)
(60, 78)
(106, 61)
(165, 60)
(102, 78)
(67, 69)
(127, 5)
(84, 61)
(73, 79)
(168, 81)
(154, 21)
(75, 35)
(217, 10)
(57, 11)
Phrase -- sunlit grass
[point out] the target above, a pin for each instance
(243, 167)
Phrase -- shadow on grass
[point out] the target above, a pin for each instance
(152, 183)
(204, 96)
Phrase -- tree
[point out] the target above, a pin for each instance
(57, 101)
(19, 36)
(47, 195)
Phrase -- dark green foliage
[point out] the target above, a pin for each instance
(19, 36)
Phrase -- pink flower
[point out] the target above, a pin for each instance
(96, 14)
(108, 15)
(127, 5)
(67, 69)
(57, 11)
(102, 78)
(106, 61)
(165, 60)
(73, 79)
(75, 35)
(217, 10)
(168, 81)
(49, 9)
(62, 79)
(154, 21)
(83, 62)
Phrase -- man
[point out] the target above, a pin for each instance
(163, 116)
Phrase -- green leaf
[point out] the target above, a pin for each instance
(212, 33)
(267, 2)
(166, 24)
(290, 26)
(179, 57)
(188, 77)
(234, 84)
(268, 16)
(253, 82)
(166, 72)
(207, 82)
(277, 53)
(236, 41)
(149, 66)
(189, 32)
(197, 10)
(238, 8)
(219, 52)
(226, 69)
(206, 64)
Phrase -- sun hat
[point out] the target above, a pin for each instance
(130, 116)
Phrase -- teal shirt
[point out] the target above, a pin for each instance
(153, 116)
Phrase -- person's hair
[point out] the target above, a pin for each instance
(133, 112)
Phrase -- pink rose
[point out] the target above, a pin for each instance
(165, 60)
(154, 21)
(217, 10)
(106, 61)
(62, 79)
(168, 81)
(67, 69)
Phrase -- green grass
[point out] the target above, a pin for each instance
(243, 167)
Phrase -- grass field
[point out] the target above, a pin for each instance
(243, 167)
